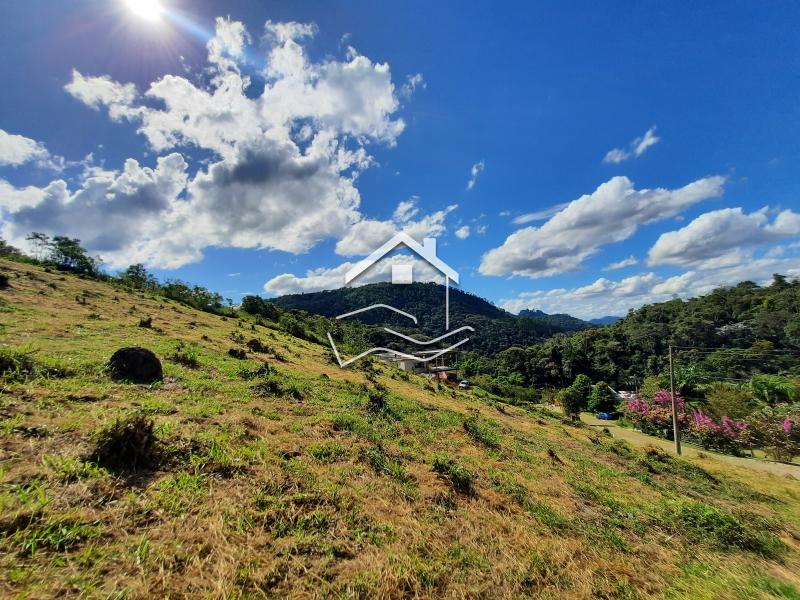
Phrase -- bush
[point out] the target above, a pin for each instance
(273, 385)
(127, 445)
(186, 354)
(16, 365)
(777, 431)
(726, 400)
(461, 478)
(730, 435)
(654, 416)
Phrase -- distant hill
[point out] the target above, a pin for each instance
(604, 320)
(568, 322)
(496, 329)
(726, 335)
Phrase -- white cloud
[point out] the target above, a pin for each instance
(412, 83)
(725, 235)
(612, 213)
(366, 235)
(476, 170)
(97, 92)
(13, 199)
(284, 164)
(539, 215)
(333, 278)
(463, 232)
(636, 149)
(406, 210)
(126, 216)
(621, 264)
(18, 149)
(605, 297)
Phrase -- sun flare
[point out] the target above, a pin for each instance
(150, 10)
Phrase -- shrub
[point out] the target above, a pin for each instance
(273, 385)
(461, 478)
(186, 354)
(654, 416)
(237, 353)
(726, 400)
(376, 401)
(384, 464)
(257, 345)
(262, 371)
(16, 365)
(127, 445)
(728, 436)
(777, 430)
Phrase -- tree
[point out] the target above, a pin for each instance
(583, 386)
(7, 250)
(40, 243)
(571, 401)
(68, 254)
(256, 305)
(602, 398)
(138, 277)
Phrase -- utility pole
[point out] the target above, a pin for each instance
(676, 430)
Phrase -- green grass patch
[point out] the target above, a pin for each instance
(461, 478)
(720, 528)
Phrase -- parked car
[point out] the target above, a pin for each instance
(464, 384)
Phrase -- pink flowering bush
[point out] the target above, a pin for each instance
(729, 435)
(655, 416)
(777, 432)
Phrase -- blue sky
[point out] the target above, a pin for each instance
(283, 141)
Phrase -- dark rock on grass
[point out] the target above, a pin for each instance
(237, 353)
(146, 323)
(4, 281)
(135, 364)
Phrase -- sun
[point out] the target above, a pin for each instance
(146, 9)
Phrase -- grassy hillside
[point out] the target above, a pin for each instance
(306, 481)
(495, 328)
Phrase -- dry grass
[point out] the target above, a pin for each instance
(294, 481)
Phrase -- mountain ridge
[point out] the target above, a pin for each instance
(496, 329)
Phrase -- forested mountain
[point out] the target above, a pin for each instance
(495, 328)
(608, 320)
(728, 334)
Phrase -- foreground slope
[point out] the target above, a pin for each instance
(310, 481)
